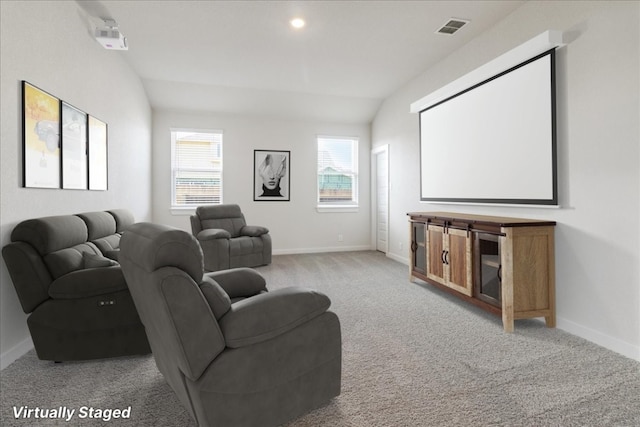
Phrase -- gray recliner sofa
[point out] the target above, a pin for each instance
(234, 353)
(65, 273)
(226, 239)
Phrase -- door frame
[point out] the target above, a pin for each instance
(383, 149)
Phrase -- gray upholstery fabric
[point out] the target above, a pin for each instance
(90, 282)
(288, 355)
(216, 254)
(99, 224)
(253, 230)
(278, 379)
(226, 217)
(79, 304)
(52, 233)
(105, 229)
(227, 241)
(173, 248)
(29, 274)
(240, 282)
(93, 327)
(66, 260)
(266, 316)
(108, 245)
(124, 219)
(182, 330)
(217, 298)
(96, 261)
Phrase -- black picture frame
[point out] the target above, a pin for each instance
(271, 176)
(41, 151)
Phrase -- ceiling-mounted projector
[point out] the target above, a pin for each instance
(110, 37)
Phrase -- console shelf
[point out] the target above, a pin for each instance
(504, 265)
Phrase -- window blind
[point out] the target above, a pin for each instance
(196, 168)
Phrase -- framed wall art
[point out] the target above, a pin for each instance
(74, 148)
(40, 138)
(97, 153)
(271, 173)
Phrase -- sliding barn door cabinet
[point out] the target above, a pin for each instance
(503, 265)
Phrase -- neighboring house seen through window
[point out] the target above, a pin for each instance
(196, 168)
(337, 172)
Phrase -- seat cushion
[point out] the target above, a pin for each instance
(245, 246)
(88, 282)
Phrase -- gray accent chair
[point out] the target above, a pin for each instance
(226, 239)
(234, 353)
(64, 273)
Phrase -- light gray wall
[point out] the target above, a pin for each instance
(597, 245)
(49, 44)
(295, 226)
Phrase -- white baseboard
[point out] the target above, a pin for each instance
(321, 250)
(614, 344)
(16, 352)
(398, 258)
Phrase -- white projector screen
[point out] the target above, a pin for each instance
(494, 142)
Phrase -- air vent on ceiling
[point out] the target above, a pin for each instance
(452, 26)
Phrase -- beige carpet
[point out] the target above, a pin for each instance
(412, 356)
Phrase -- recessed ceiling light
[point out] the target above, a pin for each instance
(297, 23)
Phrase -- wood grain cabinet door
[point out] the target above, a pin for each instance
(458, 265)
(436, 253)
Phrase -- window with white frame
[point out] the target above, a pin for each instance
(337, 171)
(196, 168)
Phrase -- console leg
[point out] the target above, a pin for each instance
(550, 320)
(507, 322)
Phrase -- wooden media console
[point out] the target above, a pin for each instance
(503, 265)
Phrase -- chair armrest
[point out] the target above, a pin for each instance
(253, 230)
(239, 282)
(268, 315)
(213, 233)
(88, 282)
(28, 273)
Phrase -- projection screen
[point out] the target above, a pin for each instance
(494, 142)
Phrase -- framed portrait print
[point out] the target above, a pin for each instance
(271, 172)
(40, 138)
(97, 153)
(74, 148)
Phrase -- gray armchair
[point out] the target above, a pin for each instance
(226, 239)
(234, 353)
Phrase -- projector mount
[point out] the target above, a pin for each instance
(110, 37)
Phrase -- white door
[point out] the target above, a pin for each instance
(382, 199)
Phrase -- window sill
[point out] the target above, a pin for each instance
(186, 210)
(338, 209)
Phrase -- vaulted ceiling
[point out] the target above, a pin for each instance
(243, 57)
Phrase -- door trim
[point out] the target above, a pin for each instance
(383, 149)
